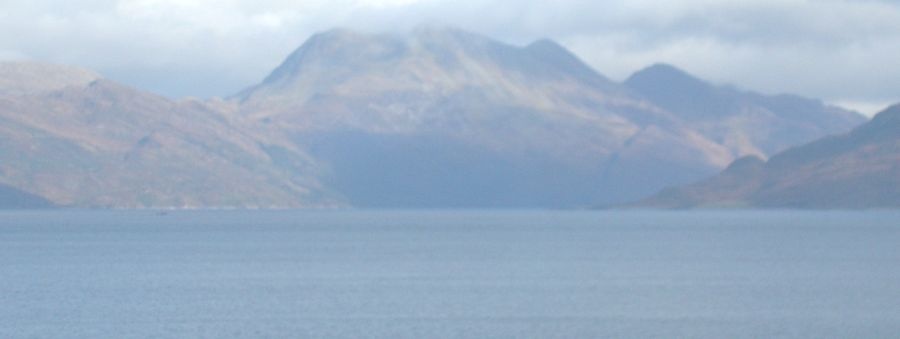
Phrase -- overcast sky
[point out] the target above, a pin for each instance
(845, 52)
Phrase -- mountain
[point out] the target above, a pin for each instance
(12, 198)
(860, 169)
(436, 117)
(441, 117)
(747, 123)
(446, 118)
(78, 140)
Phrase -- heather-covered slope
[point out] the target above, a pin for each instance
(101, 144)
(860, 169)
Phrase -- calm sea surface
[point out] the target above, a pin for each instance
(443, 274)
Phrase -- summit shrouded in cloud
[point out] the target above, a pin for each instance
(838, 51)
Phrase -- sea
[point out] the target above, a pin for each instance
(449, 274)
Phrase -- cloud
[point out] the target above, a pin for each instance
(12, 56)
(838, 50)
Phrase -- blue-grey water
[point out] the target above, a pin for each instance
(443, 274)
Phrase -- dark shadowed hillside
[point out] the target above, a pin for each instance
(11, 198)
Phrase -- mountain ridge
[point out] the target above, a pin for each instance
(744, 121)
(435, 117)
(856, 170)
(103, 144)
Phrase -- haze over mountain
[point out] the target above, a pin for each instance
(860, 169)
(437, 117)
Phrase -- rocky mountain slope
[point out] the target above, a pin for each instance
(90, 142)
(860, 169)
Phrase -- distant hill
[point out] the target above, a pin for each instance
(860, 169)
(11, 198)
(747, 123)
(95, 143)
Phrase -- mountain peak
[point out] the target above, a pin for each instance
(553, 52)
(340, 55)
(745, 163)
(548, 46)
(679, 92)
(670, 75)
(664, 68)
(337, 46)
